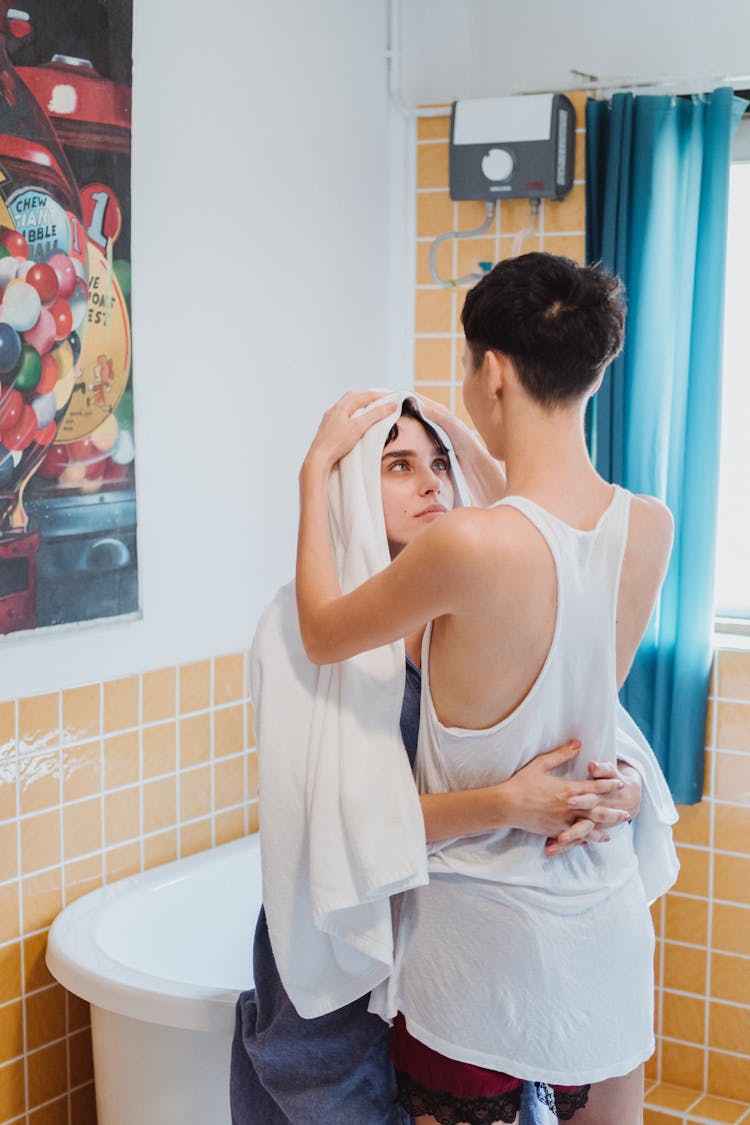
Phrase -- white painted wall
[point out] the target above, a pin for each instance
(453, 49)
(269, 235)
(272, 239)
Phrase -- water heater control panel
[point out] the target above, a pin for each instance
(512, 148)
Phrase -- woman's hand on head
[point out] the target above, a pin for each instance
(485, 477)
(439, 414)
(342, 426)
(459, 434)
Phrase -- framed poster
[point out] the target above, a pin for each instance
(67, 452)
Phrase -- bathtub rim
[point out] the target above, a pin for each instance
(80, 965)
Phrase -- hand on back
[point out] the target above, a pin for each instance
(567, 812)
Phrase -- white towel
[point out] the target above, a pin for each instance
(658, 865)
(340, 821)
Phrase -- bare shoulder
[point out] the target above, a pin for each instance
(475, 545)
(645, 564)
(653, 513)
(651, 527)
(497, 528)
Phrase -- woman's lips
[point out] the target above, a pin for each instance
(433, 510)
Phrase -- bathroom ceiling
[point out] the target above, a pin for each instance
(450, 49)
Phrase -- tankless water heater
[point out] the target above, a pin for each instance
(512, 148)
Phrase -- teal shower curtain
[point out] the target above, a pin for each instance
(657, 173)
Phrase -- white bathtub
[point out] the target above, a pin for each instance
(161, 958)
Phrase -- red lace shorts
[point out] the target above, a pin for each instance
(456, 1092)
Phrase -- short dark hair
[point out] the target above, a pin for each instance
(560, 323)
(409, 410)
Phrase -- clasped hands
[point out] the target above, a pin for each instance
(570, 813)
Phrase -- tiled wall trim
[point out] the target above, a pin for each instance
(96, 783)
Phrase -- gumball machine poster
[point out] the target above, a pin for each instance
(67, 451)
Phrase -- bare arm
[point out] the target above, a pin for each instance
(532, 799)
(643, 570)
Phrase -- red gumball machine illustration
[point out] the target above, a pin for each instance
(91, 116)
(43, 310)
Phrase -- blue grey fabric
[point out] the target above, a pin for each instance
(289, 1071)
(410, 710)
(333, 1070)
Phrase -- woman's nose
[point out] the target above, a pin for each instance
(432, 482)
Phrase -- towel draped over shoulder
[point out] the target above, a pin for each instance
(340, 821)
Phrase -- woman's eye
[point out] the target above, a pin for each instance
(400, 466)
(441, 464)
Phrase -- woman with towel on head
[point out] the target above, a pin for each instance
(335, 1067)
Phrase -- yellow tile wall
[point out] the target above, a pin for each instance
(703, 947)
(703, 926)
(96, 783)
(438, 339)
(701, 1069)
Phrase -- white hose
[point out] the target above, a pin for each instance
(460, 234)
(528, 231)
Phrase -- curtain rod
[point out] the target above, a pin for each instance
(692, 84)
(591, 83)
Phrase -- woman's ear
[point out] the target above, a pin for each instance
(497, 369)
(596, 385)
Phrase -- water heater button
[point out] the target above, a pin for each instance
(497, 164)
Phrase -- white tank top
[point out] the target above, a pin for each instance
(574, 696)
(507, 959)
